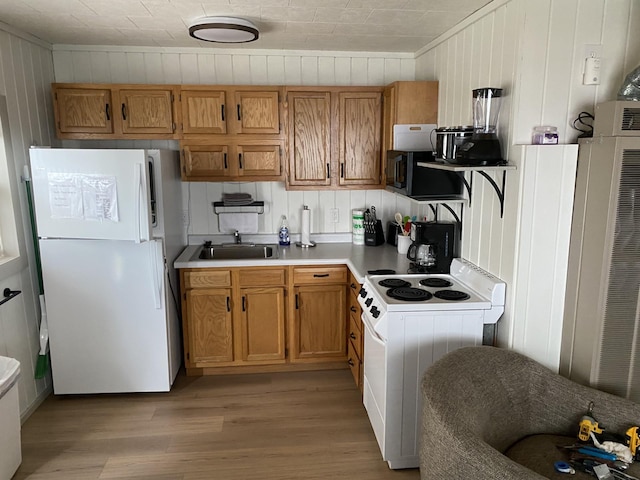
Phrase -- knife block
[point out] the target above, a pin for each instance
(375, 236)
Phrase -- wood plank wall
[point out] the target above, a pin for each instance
(535, 51)
(259, 67)
(26, 72)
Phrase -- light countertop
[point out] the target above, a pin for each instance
(359, 258)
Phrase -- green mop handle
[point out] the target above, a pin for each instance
(34, 230)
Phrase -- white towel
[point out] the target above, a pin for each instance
(242, 222)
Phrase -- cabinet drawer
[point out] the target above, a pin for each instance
(318, 275)
(354, 363)
(355, 335)
(207, 279)
(261, 277)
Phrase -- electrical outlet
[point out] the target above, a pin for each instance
(335, 215)
(185, 218)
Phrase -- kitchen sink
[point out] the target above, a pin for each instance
(236, 252)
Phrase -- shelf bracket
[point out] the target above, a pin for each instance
(467, 186)
(499, 191)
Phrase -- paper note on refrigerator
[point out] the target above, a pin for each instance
(65, 195)
(83, 197)
(99, 197)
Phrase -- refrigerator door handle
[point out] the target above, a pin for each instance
(157, 267)
(137, 181)
(141, 205)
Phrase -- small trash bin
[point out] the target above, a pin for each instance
(10, 450)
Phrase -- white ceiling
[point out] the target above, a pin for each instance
(354, 25)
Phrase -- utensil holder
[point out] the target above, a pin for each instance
(374, 236)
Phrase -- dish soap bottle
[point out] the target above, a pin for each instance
(283, 234)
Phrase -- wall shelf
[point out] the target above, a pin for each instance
(482, 170)
(434, 204)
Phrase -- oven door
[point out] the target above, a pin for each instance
(375, 381)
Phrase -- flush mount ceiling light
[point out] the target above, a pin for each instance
(224, 30)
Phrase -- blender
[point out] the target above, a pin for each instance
(483, 148)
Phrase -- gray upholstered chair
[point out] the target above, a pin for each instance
(490, 413)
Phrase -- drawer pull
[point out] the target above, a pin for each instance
(353, 285)
(353, 309)
(352, 336)
(320, 275)
(350, 362)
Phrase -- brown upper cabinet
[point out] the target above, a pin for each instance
(407, 103)
(85, 111)
(226, 159)
(333, 137)
(230, 110)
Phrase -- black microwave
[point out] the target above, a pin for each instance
(406, 176)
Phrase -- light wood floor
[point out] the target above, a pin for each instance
(297, 426)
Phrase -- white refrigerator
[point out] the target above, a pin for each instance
(109, 227)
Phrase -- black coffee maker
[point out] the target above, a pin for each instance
(435, 245)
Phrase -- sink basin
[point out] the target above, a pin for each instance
(236, 252)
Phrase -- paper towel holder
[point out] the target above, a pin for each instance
(253, 207)
(311, 243)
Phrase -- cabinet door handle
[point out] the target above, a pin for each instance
(239, 112)
(350, 362)
(106, 111)
(297, 303)
(328, 171)
(222, 111)
(342, 170)
(225, 161)
(320, 275)
(240, 159)
(124, 111)
(353, 286)
(228, 305)
(353, 309)
(352, 336)
(243, 305)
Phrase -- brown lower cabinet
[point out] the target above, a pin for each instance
(233, 317)
(264, 319)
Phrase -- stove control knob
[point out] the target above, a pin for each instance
(368, 301)
(375, 312)
(363, 292)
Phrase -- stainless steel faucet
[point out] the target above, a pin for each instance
(236, 237)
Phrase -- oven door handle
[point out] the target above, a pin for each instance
(372, 332)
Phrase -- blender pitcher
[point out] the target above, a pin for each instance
(486, 108)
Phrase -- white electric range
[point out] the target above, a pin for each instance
(410, 321)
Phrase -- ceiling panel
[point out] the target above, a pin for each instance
(370, 25)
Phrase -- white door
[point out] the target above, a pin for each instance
(97, 194)
(107, 318)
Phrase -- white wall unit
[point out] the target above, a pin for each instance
(536, 254)
(26, 74)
